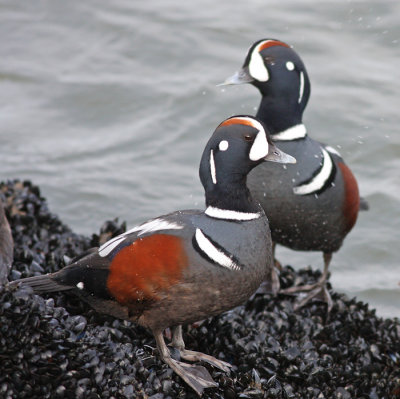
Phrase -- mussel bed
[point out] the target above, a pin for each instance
(57, 347)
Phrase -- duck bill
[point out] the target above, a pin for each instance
(276, 155)
(238, 78)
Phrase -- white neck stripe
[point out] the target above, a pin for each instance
(332, 150)
(295, 132)
(319, 180)
(214, 253)
(230, 215)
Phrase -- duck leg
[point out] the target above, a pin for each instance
(318, 289)
(192, 356)
(277, 264)
(275, 271)
(271, 284)
(197, 377)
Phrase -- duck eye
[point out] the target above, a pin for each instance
(269, 60)
(248, 137)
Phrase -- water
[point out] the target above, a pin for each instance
(108, 105)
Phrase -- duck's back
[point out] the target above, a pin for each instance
(312, 204)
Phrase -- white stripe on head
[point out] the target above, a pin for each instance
(301, 88)
(259, 148)
(148, 227)
(214, 253)
(212, 168)
(228, 214)
(319, 180)
(257, 68)
(293, 133)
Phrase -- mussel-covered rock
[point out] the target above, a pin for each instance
(57, 347)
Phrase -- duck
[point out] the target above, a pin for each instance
(313, 204)
(187, 265)
(6, 246)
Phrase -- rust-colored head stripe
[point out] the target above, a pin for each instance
(271, 43)
(238, 121)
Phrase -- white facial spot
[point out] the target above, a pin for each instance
(212, 168)
(257, 68)
(290, 66)
(259, 149)
(80, 285)
(223, 145)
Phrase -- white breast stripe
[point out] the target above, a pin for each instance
(332, 150)
(293, 133)
(152, 225)
(214, 253)
(301, 89)
(230, 215)
(212, 168)
(319, 180)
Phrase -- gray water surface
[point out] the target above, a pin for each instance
(107, 107)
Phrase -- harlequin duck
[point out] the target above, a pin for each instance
(187, 265)
(6, 246)
(314, 204)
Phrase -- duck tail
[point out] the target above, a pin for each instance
(364, 205)
(41, 284)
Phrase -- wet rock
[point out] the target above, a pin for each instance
(56, 346)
